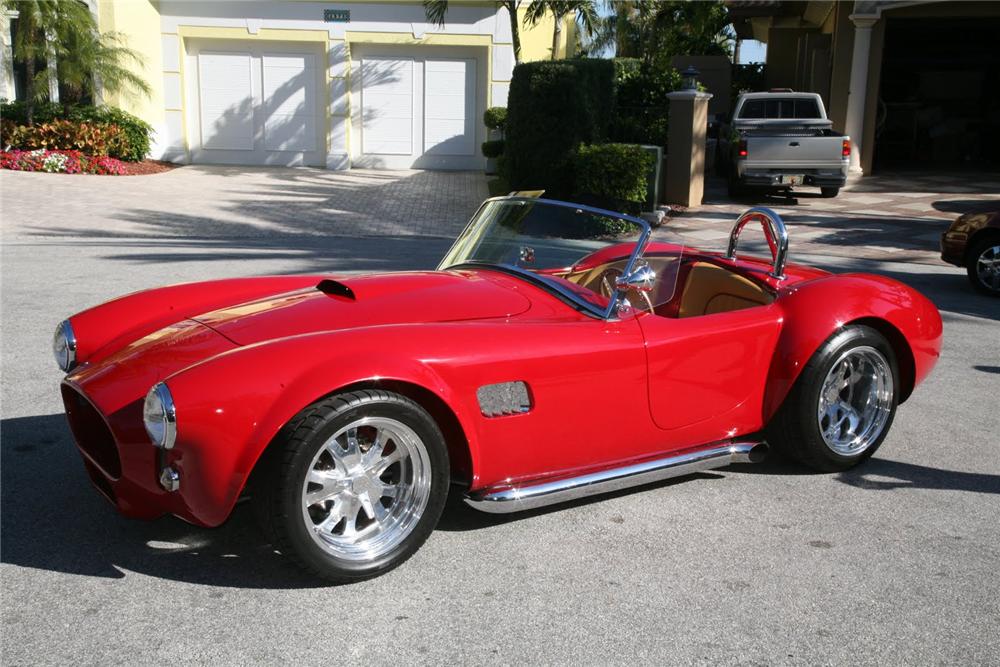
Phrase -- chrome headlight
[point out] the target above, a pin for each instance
(159, 416)
(64, 346)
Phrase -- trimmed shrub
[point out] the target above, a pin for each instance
(136, 133)
(493, 149)
(495, 118)
(612, 172)
(553, 106)
(67, 135)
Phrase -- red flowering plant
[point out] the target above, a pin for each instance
(64, 162)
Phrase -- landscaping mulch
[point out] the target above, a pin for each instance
(148, 167)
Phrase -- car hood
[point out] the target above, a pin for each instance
(372, 300)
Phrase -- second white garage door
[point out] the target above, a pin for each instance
(255, 105)
(417, 112)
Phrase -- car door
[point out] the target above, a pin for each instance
(707, 374)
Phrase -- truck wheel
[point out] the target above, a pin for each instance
(355, 484)
(841, 407)
(829, 193)
(983, 266)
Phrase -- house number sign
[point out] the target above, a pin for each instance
(337, 15)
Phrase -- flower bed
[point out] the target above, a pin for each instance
(64, 162)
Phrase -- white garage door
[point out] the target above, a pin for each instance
(418, 112)
(256, 105)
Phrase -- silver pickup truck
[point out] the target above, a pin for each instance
(782, 139)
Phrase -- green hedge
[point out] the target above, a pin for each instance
(552, 107)
(137, 132)
(643, 107)
(612, 172)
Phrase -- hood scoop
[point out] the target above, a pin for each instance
(336, 288)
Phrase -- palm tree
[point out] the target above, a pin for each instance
(436, 9)
(65, 32)
(660, 29)
(585, 11)
(88, 61)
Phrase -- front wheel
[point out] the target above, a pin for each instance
(355, 485)
(841, 407)
(983, 266)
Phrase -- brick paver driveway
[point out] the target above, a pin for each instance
(215, 201)
(890, 218)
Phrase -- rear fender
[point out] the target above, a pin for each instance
(815, 310)
(231, 407)
(141, 313)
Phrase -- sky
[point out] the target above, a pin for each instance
(752, 51)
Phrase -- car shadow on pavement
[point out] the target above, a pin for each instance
(883, 474)
(54, 520)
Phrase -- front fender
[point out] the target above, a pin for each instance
(814, 310)
(231, 407)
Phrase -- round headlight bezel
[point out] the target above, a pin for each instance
(159, 416)
(64, 346)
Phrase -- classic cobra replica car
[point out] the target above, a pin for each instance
(557, 352)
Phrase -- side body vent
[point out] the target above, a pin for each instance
(503, 399)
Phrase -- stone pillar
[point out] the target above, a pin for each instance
(855, 121)
(686, 147)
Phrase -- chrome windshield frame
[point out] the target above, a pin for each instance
(609, 313)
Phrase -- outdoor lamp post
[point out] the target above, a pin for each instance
(690, 78)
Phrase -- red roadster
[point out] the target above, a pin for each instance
(557, 352)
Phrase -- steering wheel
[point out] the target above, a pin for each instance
(605, 284)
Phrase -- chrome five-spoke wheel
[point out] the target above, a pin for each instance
(367, 487)
(842, 405)
(855, 401)
(354, 484)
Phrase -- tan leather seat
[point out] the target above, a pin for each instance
(712, 289)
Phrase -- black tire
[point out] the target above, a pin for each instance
(829, 193)
(796, 429)
(989, 245)
(280, 486)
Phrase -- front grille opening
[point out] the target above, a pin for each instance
(91, 432)
(100, 481)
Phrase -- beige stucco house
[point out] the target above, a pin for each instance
(329, 84)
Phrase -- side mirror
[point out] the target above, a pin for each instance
(642, 279)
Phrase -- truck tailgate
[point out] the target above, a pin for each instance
(794, 151)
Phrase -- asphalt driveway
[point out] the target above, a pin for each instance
(892, 563)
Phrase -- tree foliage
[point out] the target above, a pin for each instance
(659, 30)
(584, 11)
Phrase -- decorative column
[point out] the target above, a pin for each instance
(855, 123)
(686, 144)
(6, 59)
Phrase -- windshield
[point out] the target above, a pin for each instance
(575, 250)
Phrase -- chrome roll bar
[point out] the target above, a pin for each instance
(774, 231)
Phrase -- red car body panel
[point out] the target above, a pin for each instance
(242, 357)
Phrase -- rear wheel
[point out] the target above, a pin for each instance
(841, 407)
(356, 484)
(983, 266)
(829, 193)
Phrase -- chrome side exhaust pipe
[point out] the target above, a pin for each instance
(506, 498)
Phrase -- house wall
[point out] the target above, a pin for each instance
(158, 31)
